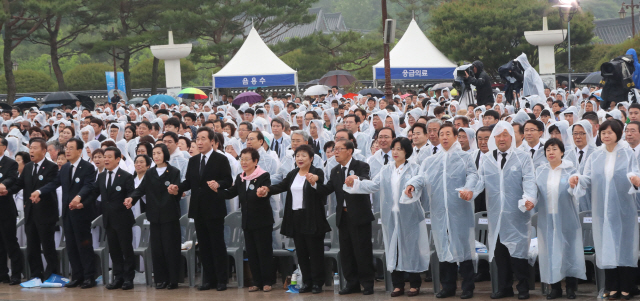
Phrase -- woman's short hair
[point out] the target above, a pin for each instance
(97, 151)
(165, 152)
(552, 142)
(73, 132)
(146, 158)
(255, 156)
(146, 146)
(307, 149)
(405, 144)
(614, 126)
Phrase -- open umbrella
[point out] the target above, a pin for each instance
(593, 78)
(65, 98)
(26, 102)
(248, 97)
(441, 86)
(337, 78)
(50, 106)
(349, 95)
(87, 102)
(373, 91)
(162, 98)
(5, 106)
(135, 101)
(317, 90)
(192, 93)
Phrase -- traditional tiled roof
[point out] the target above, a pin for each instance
(616, 30)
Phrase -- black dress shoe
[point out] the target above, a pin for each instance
(89, 283)
(172, 286)
(14, 281)
(161, 285)
(445, 294)
(615, 296)
(115, 285)
(397, 293)
(127, 285)
(413, 293)
(74, 283)
(367, 291)
(480, 277)
(553, 294)
(349, 290)
(221, 287)
(317, 289)
(305, 289)
(626, 297)
(500, 295)
(523, 296)
(204, 287)
(571, 293)
(466, 295)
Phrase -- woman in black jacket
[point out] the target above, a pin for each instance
(163, 213)
(257, 220)
(304, 218)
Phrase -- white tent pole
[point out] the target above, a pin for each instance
(296, 83)
(375, 82)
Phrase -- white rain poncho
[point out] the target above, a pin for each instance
(471, 136)
(614, 212)
(90, 134)
(126, 162)
(331, 116)
(376, 162)
(560, 248)
(13, 147)
(569, 110)
(452, 219)
(324, 135)
(89, 148)
(504, 189)
(521, 118)
(455, 106)
(406, 240)
(569, 150)
(364, 142)
(395, 118)
(591, 143)
(120, 134)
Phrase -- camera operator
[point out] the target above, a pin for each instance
(333, 94)
(482, 81)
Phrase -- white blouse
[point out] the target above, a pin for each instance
(296, 192)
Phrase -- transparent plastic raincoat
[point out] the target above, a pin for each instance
(406, 241)
(560, 248)
(505, 188)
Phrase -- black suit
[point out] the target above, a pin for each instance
(208, 209)
(354, 226)
(257, 226)
(163, 212)
(40, 218)
(8, 213)
(307, 226)
(100, 137)
(118, 221)
(77, 222)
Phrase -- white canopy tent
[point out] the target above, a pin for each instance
(415, 57)
(255, 65)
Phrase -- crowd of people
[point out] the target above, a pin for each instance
(296, 161)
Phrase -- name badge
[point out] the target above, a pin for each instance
(427, 221)
(587, 220)
(351, 173)
(118, 188)
(379, 221)
(77, 180)
(483, 221)
(40, 177)
(251, 187)
(0, 175)
(166, 183)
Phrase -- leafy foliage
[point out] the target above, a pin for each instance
(88, 77)
(141, 73)
(29, 81)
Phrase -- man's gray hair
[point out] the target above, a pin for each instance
(434, 120)
(302, 133)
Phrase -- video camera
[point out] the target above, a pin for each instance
(461, 72)
(512, 74)
(617, 75)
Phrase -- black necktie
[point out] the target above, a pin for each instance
(109, 180)
(386, 159)
(35, 169)
(417, 151)
(71, 174)
(276, 148)
(504, 160)
(202, 164)
(435, 149)
(582, 153)
(533, 151)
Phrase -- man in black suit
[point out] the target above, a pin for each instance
(97, 125)
(8, 213)
(77, 178)
(207, 172)
(115, 185)
(353, 217)
(40, 215)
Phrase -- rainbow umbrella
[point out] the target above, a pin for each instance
(192, 93)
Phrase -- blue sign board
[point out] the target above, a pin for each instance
(417, 73)
(111, 85)
(254, 81)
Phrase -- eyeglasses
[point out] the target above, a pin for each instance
(337, 150)
(630, 131)
(531, 130)
(384, 137)
(579, 134)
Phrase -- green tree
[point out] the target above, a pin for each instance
(475, 30)
(80, 16)
(29, 81)
(221, 26)
(314, 55)
(141, 73)
(88, 77)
